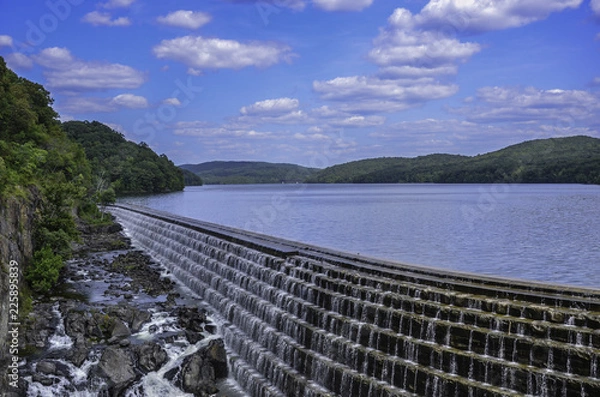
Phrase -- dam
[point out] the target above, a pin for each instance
(302, 320)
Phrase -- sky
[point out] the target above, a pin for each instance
(314, 82)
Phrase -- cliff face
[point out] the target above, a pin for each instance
(16, 221)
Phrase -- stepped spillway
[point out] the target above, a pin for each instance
(301, 320)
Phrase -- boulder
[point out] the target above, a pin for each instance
(46, 367)
(116, 366)
(151, 357)
(140, 317)
(199, 371)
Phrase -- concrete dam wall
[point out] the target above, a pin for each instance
(301, 320)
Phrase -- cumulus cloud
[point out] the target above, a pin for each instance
(342, 5)
(510, 104)
(64, 71)
(403, 45)
(172, 101)
(206, 130)
(482, 16)
(372, 94)
(97, 18)
(118, 3)
(6, 41)
(359, 121)
(17, 60)
(213, 53)
(271, 107)
(185, 19)
(417, 52)
(130, 101)
(595, 6)
(404, 50)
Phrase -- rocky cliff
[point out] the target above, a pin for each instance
(16, 221)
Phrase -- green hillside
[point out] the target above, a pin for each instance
(127, 167)
(555, 160)
(247, 172)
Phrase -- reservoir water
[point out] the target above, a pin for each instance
(547, 233)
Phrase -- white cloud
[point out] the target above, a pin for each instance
(55, 57)
(97, 18)
(342, 5)
(509, 104)
(403, 71)
(64, 71)
(371, 94)
(172, 101)
(185, 19)
(359, 121)
(16, 60)
(203, 129)
(271, 107)
(481, 16)
(595, 6)
(212, 53)
(404, 46)
(118, 3)
(6, 41)
(130, 101)
(403, 49)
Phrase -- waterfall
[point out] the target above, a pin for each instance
(304, 321)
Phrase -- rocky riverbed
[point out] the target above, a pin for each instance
(120, 327)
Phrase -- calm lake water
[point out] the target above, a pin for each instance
(548, 233)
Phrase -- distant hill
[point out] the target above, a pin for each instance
(191, 179)
(247, 172)
(555, 160)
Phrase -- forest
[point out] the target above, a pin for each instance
(124, 166)
(553, 160)
(247, 172)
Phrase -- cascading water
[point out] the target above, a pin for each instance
(303, 321)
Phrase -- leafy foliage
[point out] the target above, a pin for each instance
(124, 166)
(44, 275)
(191, 179)
(555, 160)
(246, 172)
(43, 167)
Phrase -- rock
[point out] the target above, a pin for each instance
(199, 371)
(43, 379)
(46, 367)
(153, 328)
(80, 351)
(215, 351)
(75, 324)
(119, 330)
(139, 319)
(193, 337)
(151, 357)
(190, 318)
(117, 367)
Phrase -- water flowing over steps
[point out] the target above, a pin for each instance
(300, 320)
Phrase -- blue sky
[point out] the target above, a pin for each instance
(314, 82)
